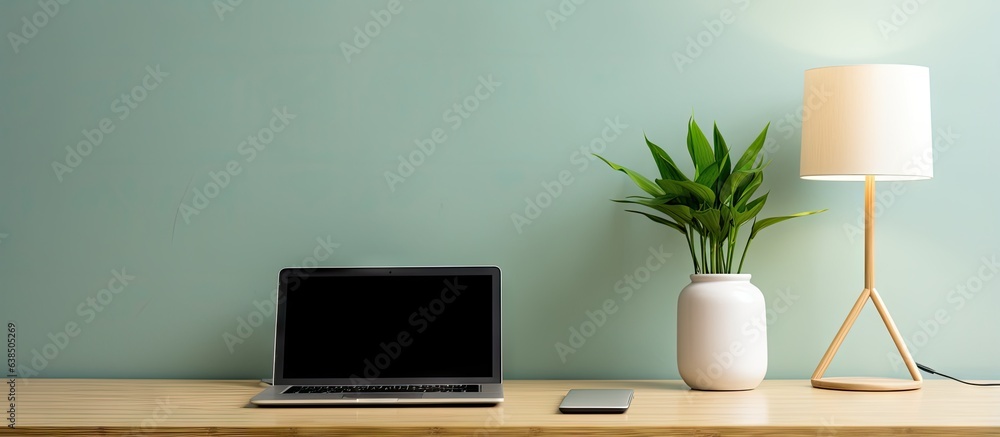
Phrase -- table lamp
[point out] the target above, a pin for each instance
(867, 123)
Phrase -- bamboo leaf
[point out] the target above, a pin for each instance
(711, 219)
(661, 221)
(761, 224)
(721, 154)
(668, 169)
(738, 179)
(640, 180)
(645, 201)
(726, 220)
(699, 149)
(750, 155)
(727, 215)
(763, 164)
(665, 197)
(743, 196)
(680, 213)
(709, 176)
(751, 210)
(758, 201)
(696, 191)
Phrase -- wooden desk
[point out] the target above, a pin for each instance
(176, 407)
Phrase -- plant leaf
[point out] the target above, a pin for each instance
(668, 169)
(738, 179)
(751, 210)
(645, 201)
(701, 152)
(761, 224)
(661, 221)
(680, 213)
(721, 154)
(696, 191)
(750, 155)
(711, 219)
(709, 176)
(758, 201)
(725, 221)
(640, 180)
(752, 185)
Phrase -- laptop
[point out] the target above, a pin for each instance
(386, 335)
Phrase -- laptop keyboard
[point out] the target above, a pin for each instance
(436, 388)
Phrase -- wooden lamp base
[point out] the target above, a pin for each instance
(868, 384)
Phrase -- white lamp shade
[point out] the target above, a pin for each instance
(863, 120)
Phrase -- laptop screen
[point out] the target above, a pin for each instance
(385, 325)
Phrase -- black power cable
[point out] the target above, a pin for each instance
(935, 372)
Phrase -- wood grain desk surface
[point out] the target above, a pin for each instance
(777, 407)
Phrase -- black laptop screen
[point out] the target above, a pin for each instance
(368, 325)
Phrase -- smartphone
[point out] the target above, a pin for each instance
(599, 401)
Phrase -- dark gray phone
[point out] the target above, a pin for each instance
(599, 401)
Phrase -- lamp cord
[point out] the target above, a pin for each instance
(935, 372)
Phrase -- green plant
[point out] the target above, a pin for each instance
(712, 207)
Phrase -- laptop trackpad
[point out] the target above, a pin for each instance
(383, 395)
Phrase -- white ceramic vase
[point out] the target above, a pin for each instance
(721, 333)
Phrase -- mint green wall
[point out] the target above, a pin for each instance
(559, 79)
